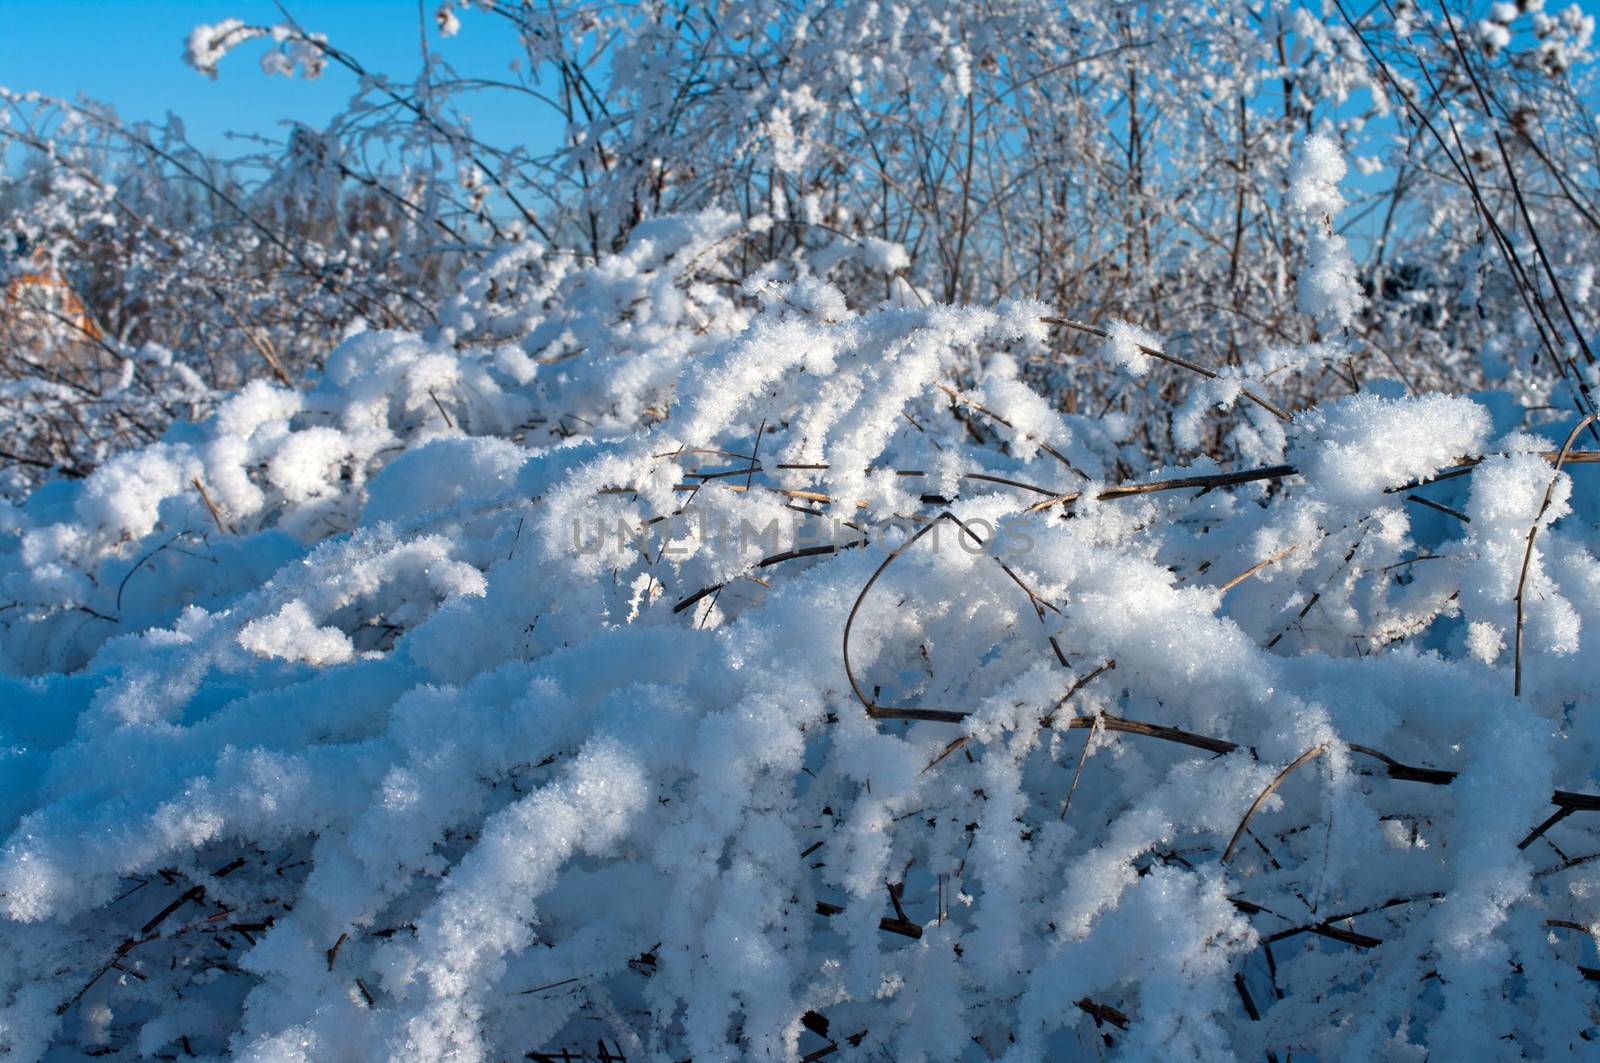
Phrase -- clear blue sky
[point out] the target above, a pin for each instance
(129, 53)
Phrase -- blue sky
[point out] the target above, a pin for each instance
(129, 53)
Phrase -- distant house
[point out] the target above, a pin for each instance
(41, 310)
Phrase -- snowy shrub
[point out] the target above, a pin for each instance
(721, 602)
(398, 725)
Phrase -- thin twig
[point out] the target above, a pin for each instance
(1527, 553)
(216, 514)
(1171, 359)
(1272, 787)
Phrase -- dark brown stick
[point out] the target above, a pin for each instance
(1278, 780)
(1527, 553)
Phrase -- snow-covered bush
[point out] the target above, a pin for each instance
(801, 680)
(713, 601)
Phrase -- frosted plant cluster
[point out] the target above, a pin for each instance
(918, 532)
(479, 701)
(1329, 289)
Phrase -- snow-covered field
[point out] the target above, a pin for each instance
(638, 662)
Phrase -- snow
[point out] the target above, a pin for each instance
(447, 720)
(449, 22)
(1315, 176)
(1329, 289)
(1125, 345)
(292, 634)
(885, 255)
(1357, 448)
(1494, 35)
(724, 635)
(207, 44)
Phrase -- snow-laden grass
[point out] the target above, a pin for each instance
(493, 699)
